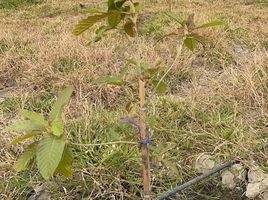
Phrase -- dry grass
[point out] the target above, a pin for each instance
(217, 101)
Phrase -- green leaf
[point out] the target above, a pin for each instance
(160, 87)
(110, 3)
(130, 28)
(119, 3)
(128, 106)
(102, 29)
(137, 6)
(190, 43)
(61, 101)
(100, 32)
(85, 24)
(26, 157)
(211, 24)
(115, 4)
(33, 116)
(49, 154)
(110, 80)
(150, 72)
(24, 126)
(132, 61)
(57, 127)
(144, 66)
(65, 165)
(92, 11)
(198, 38)
(114, 18)
(25, 137)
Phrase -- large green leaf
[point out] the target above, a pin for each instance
(85, 24)
(61, 101)
(130, 28)
(190, 43)
(65, 166)
(57, 127)
(33, 116)
(49, 154)
(25, 137)
(110, 80)
(26, 157)
(114, 18)
(211, 24)
(24, 126)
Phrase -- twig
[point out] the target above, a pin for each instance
(103, 144)
(196, 180)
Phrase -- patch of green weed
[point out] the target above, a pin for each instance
(15, 46)
(11, 4)
(66, 65)
(10, 106)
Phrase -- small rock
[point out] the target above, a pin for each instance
(255, 175)
(239, 171)
(253, 190)
(204, 163)
(264, 185)
(228, 179)
(40, 193)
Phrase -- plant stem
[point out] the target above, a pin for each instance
(103, 144)
(144, 147)
(143, 133)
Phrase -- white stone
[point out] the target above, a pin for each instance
(255, 175)
(239, 172)
(264, 185)
(253, 190)
(204, 163)
(228, 179)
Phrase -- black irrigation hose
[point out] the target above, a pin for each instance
(196, 180)
(200, 178)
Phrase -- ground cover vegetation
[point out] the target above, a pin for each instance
(213, 99)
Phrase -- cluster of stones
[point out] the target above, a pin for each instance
(255, 178)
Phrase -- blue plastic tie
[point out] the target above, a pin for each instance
(148, 138)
